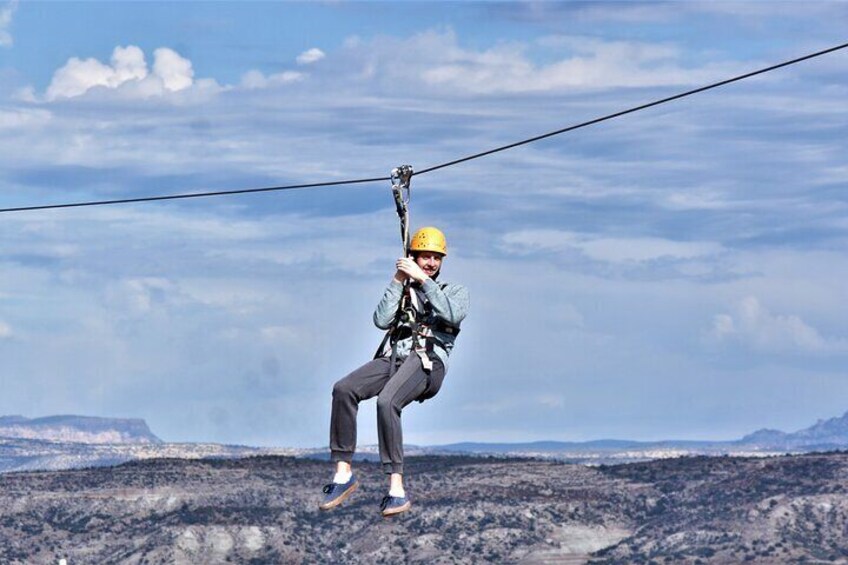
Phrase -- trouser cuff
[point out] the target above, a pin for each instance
(345, 456)
(389, 468)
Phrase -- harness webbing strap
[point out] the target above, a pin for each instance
(413, 299)
(401, 177)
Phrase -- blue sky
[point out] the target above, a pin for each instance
(675, 273)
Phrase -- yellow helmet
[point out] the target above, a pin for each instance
(429, 239)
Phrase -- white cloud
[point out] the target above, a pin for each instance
(175, 71)
(24, 118)
(128, 64)
(6, 13)
(753, 325)
(127, 70)
(78, 76)
(704, 199)
(310, 56)
(609, 250)
(5, 330)
(256, 79)
(439, 61)
(619, 250)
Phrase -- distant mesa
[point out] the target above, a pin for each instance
(73, 442)
(824, 434)
(78, 429)
(765, 437)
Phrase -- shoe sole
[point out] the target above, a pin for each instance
(339, 499)
(398, 510)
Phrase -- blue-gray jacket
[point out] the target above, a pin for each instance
(449, 303)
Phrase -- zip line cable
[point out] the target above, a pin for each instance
(440, 166)
(191, 195)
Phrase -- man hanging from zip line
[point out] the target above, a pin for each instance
(422, 318)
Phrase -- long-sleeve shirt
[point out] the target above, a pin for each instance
(449, 304)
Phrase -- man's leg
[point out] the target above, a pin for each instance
(407, 384)
(363, 383)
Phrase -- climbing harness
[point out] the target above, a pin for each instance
(414, 317)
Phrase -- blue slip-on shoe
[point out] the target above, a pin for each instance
(392, 505)
(335, 493)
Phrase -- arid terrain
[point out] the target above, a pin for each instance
(465, 510)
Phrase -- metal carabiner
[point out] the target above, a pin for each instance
(401, 177)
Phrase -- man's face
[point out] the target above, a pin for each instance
(430, 262)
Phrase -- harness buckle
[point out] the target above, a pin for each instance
(408, 315)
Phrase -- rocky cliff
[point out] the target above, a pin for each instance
(78, 429)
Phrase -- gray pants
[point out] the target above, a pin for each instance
(409, 382)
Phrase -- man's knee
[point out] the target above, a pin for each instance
(343, 389)
(386, 405)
